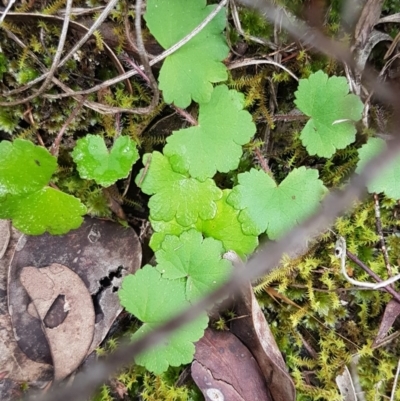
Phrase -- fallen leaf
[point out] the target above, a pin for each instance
(253, 330)
(224, 369)
(345, 385)
(100, 252)
(45, 286)
(4, 236)
(368, 19)
(15, 366)
(392, 311)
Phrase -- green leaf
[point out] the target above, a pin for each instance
(388, 180)
(163, 228)
(188, 73)
(154, 300)
(274, 209)
(197, 260)
(332, 110)
(226, 227)
(94, 162)
(24, 167)
(215, 144)
(176, 195)
(44, 210)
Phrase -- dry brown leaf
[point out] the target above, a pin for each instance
(346, 386)
(4, 236)
(392, 311)
(70, 339)
(253, 330)
(15, 366)
(368, 19)
(224, 369)
(100, 252)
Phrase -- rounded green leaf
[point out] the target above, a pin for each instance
(162, 228)
(44, 210)
(176, 195)
(95, 162)
(388, 180)
(24, 167)
(199, 261)
(333, 112)
(216, 143)
(190, 71)
(226, 228)
(153, 300)
(274, 209)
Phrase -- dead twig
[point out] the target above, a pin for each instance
(56, 144)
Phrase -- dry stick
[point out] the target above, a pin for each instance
(186, 115)
(77, 46)
(378, 223)
(388, 289)
(156, 60)
(143, 58)
(396, 378)
(9, 5)
(262, 161)
(145, 169)
(43, 67)
(112, 110)
(54, 65)
(238, 26)
(246, 62)
(264, 261)
(57, 141)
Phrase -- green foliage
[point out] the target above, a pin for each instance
(332, 110)
(195, 259)
(388, 180)
(8, 120)
(44, 210)
(176, 195)
(26, 75)
(226, 228)
(95, 162)
(154, 305)
(274, 209)
(189, 72)
(215, 144)
(24, 198)
(25, 167)
(3, 65)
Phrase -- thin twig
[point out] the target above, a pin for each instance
(54, 64)
(144, 172)
(238, 26)
(143, 58)
(378, 223)
(186, 115)
(56, 144)
(396, 378)
(75, 48)
(262, 161)
(246, 62)
(156, 60)
(340, 251)
(8, 8)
